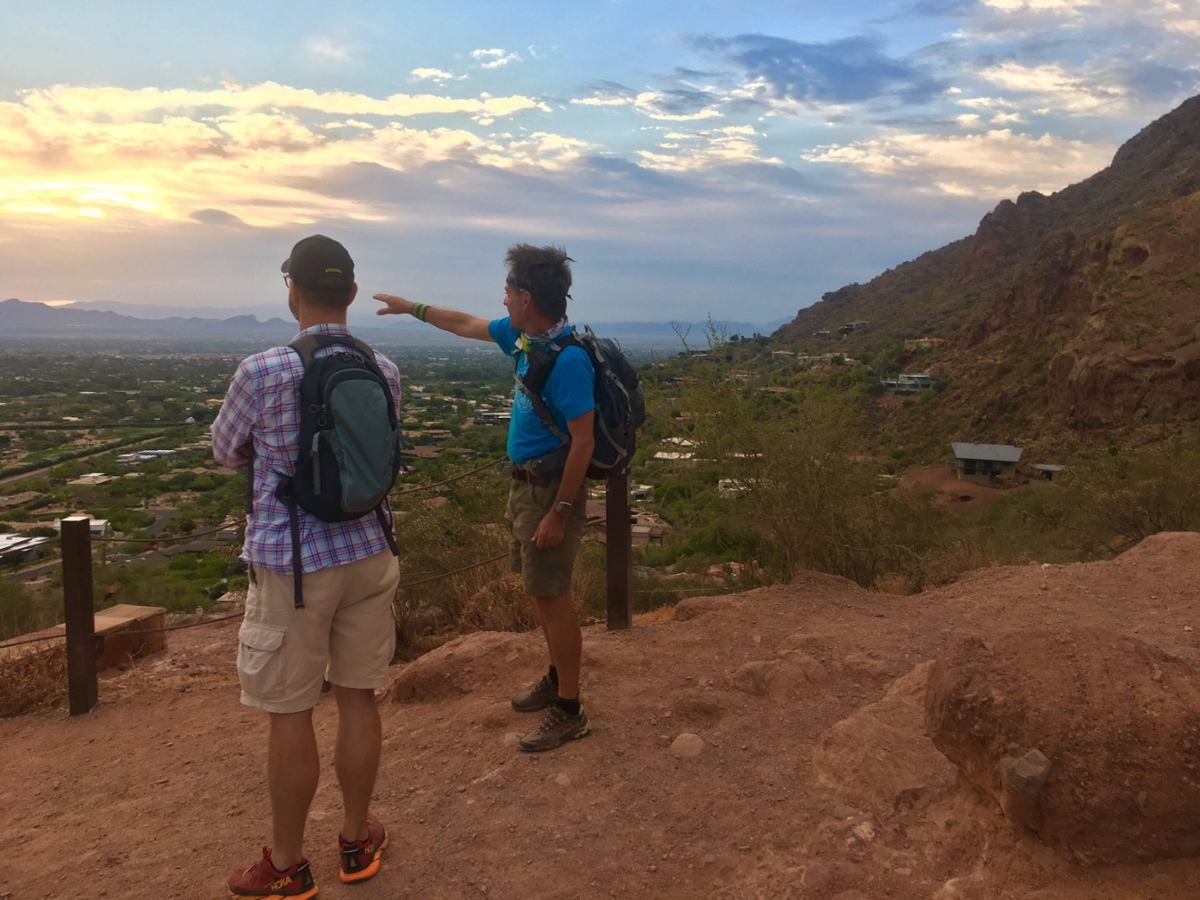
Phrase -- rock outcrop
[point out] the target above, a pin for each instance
(1087, 737)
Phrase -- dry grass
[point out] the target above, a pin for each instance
(33, 680)
(499, 606)
(893, 583)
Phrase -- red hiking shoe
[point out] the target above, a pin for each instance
(262, 881)
(361, 859)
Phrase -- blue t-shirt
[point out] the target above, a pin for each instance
(568, 393)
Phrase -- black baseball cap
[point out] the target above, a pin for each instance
(320, 264)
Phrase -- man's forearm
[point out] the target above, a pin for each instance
(451, 320)
(575, 469)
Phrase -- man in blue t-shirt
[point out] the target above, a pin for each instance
(547, 499)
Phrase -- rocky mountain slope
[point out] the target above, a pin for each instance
(1078, 309)
(809, 773)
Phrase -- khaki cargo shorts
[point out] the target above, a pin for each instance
(345, 627)
(545, 572)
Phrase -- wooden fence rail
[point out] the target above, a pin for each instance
(80, 608)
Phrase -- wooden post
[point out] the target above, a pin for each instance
(620, 549)
(79, 613)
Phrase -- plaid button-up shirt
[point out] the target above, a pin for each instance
(261, 408)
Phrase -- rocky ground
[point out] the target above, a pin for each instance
(809, 775)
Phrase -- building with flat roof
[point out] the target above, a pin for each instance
(983, 463)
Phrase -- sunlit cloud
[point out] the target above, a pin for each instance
(1055, 86)
(437, 75)
(603, 100)
(120, 104)
(992, 165)
(110, 153)
(494, 59)
(705, 150)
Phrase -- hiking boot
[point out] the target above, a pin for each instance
(361, 859)
(262, 881)
(539, 695)
(556, 729)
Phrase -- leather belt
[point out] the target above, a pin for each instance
(530, 478)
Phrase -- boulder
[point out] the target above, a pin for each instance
(1086, 736)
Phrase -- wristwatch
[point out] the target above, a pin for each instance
(563, 508)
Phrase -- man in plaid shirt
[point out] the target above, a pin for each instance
(345, 626)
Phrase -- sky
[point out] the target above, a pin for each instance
(695, 158)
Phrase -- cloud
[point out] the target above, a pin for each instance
(1058, 6)
(123, 105)
(1052, 85)
(214, 217)
(707, 150)
(494, 59)
(329, 51)
(998, 163)
(138, 155)
(437, 75)
(676, 105)
(850, 70)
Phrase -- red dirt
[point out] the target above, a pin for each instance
(958, 496)
(815, 780)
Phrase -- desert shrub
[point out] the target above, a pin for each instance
(439, 538)
(1132, 496)
(32, 680)
(16, 610)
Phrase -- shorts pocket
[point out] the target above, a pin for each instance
(260, 660)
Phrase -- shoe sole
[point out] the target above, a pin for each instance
(531, 709)
(582, 732)
(307, 895)
(371, 870)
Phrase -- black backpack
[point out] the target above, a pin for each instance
(620, 402)
(349, 451)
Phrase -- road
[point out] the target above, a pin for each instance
(38, 472)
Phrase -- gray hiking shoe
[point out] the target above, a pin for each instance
(537, 696)
(556, 729)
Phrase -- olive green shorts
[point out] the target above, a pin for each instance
(545, 572)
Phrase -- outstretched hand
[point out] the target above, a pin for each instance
(393, 305)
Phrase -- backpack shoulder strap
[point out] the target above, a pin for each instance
(541, 364)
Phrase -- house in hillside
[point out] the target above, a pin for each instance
(21, 547)
(910, 383)
(18, 499)
(1049, 471)
(98, 527)
(645, 528)
(983, 463)
(493, 417)
(674, 456)
(637, 492)
(923, 343)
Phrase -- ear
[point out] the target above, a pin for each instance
(353, 293)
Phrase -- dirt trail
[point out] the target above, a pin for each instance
(815, 779)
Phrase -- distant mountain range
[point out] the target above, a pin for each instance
(82, 321)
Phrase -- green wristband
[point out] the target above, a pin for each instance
(419, 310)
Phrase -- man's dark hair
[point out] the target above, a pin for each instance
(543, 271)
